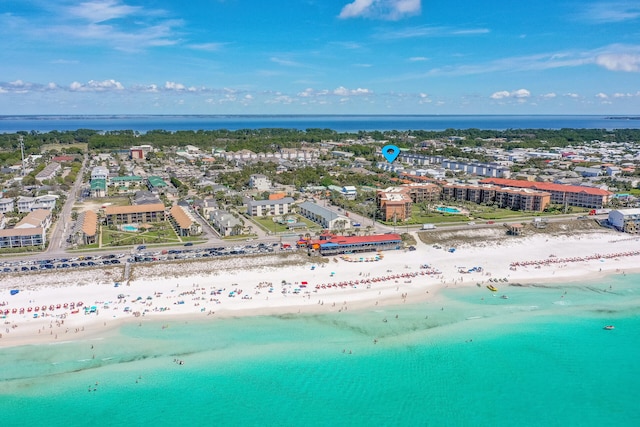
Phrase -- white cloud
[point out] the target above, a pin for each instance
(607, 12)
(381, 9)
(208, 47)
(174, 86)
(343, 91)
(549, 95)
(472, 31)
(96, 86)
(572, 95)
(102, 10)
(619, 61)
(602, 95)
(500, 95)
(519, 94)
(418, 58)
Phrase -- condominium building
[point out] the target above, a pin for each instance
(627, 220)
(134, 214)
(524, 199)
(326, 218)
(183, 222)
(394, 203)
(270, 207)
(572, 195)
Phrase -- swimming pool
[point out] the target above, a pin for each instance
(447, 209)
(130, 228)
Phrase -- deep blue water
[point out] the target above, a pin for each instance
(340, 123)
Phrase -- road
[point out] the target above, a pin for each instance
(57, 240)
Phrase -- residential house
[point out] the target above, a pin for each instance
(156, 185)
(40, 218)
(225, 223)
(259, 182)
(6, 205)
(627, 220)
(49, 172)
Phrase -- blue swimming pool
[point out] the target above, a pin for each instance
(130, 228)
(447, 209)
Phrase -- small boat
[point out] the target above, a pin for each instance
(609, 327)
(504, 297)
(492, 288)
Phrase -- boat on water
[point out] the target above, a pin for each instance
(504, 297)
(492, 288)
(609, 327)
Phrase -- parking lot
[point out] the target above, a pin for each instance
(139, 255)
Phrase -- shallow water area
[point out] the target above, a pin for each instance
(469, 357)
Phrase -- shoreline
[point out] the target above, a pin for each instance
(263, 286)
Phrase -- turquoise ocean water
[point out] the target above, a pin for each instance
(538, 358)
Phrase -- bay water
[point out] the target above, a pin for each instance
(339, 123)
(539, 356)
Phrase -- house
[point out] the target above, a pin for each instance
(613, 170)
(156, 185)
(28, 204)
(40, 218)
(588, 172)
(183, 222)
(6, 205)
(49, 172)
(98, 188)
(63, 159)
(139, 152)
(326, 218)
(144, 197)
(99, 172)
(259, 182)
(124, 182)
(270, 207)
(205, 206)
(225, 223)
(627, 220)
(3, 221)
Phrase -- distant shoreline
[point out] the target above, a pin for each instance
(349, 123)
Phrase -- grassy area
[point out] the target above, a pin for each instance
(162, 234)
(112, 201)
(58, 147)
(269, 225)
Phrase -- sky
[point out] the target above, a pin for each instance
(319, 57)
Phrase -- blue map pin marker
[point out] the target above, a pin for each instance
(390, 152)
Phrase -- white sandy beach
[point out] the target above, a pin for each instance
(256, 286)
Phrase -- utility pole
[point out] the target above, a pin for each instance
(21, 141)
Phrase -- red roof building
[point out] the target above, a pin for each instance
(572, 195)
(343, 244)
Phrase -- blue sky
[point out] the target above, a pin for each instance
(319, 57)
